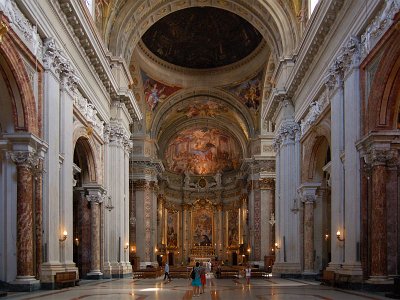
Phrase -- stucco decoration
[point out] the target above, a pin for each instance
(202, 151)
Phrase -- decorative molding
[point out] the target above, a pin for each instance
(96, 198)
(379, 25)
(315, 110)
(22, 27)
(386, 157)
(348, 57)
(267, 184)
(55, 60)
(89, 112)
(289, 131)
(25, 158)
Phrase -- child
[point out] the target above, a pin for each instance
(248, 274)
(202, 279)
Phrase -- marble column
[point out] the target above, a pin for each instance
(95, 198)
(378, 158)
(267, 186)
(185, 208)
(38, 216)
(25, 161)
(220, 240)
(308, 195)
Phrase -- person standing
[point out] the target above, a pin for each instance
(196, 283)
(202, 279)
(248, 274)
(166, 272)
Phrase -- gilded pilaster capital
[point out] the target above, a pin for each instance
(267, 183)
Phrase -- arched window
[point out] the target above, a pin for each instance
(90, 6)
(311, 6)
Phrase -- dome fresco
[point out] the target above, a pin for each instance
(201, 38)
(202, 151)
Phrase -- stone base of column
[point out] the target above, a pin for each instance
(107, 271)
(94, 275)
(354, 270)
(287, 270)
(121, 270)
(333, 267)
(310, 274)
(48, 271)
(24, 284)
(380, 280)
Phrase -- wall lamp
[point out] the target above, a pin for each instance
(277, 246)
(339, 236)
(126, 246)
(65, 235)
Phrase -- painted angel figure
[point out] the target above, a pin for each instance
(154, 96)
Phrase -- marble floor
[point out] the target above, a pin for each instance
(140, 289)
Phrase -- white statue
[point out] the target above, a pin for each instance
(217, 178)
(187, 179)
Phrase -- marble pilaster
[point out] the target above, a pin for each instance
(337, 172)
(267, 186)
(95, 197)
(52, 59)
(286, 203)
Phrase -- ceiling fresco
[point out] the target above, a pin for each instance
(156, 92)
(202, 108)
(249, 92)
(202, 151)
(201, 38)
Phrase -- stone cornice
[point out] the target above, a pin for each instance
(379, 25)
(83, 29)
(312, 40)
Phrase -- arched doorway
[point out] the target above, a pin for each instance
(84, 179)
(315, 192)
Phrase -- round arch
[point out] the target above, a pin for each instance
(18, 84)
(384, 100)
(85, 155)
(271, 19)
(238, 108)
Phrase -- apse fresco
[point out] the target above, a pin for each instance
(233, 228)
(203, 108)
(202, 151)
(202, 227)
(172, 230)
(249, 91)
(155, 91)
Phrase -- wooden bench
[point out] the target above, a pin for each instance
(147, 273)
(328, 278)
(342, 280)
(179, 272)
(257, 273)
(62, 278)
(225, 272)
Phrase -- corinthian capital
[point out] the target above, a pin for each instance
(96, 198)
(25, 158)
(288, 131)
(376, 157)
